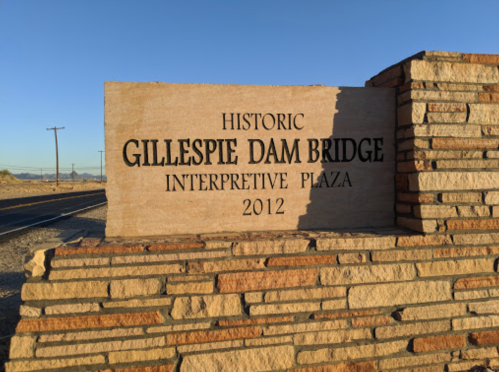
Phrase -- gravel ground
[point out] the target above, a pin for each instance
(13, 249)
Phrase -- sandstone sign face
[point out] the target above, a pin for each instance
(187, 158)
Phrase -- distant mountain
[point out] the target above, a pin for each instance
(62, 176)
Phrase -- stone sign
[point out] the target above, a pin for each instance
(188, 158)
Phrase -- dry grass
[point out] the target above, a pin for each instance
(11, 187)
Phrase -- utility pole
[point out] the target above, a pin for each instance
(101, 151)
(41, 175)
(56, 152)
(73, 172)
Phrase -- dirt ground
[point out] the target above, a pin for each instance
(13, 250)
(21, 189)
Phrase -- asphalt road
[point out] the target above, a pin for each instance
(18, 214)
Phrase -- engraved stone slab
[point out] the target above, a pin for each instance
(187, 158)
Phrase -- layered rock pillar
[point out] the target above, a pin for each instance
(447, 140)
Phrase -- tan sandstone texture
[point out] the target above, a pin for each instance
(184, 113)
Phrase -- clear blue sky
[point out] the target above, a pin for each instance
(57, 54)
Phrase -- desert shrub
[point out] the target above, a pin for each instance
(5, 172)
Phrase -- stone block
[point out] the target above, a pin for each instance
(351, 353)
(446, 154)
(253, 297)
(423, 240)
(91, 335)
(402, 255)
(210, 346)
(465, 252)
(60, 291)
(72, 308)
(451, 72)
(274, 358)
(334, 304)
(30, 311)
(265, 247)
(22, 347)
(492, 198)
(305, 294)
(199, 337)
(345, 314)
(99, 250)
(352, 258)
(302, 260)
(225, 265)
(482, 353)
(444, 130)
(124, 271)
(470, 164)
(490, 130)
(382, 295)
(447, 107)
(473, 211)
(489, 224)
(269, 320)
(127, 288)
(484, 338)
(491, 59)
(342, 367)
(340, 244)
(476, 239)
(450, 181)
(268, 341)
(177, 256)
(402, 330)
(455, 267)
(428, 95)
(90, 321)
(366, 274)
(482, 281)
(462, 197)
(209, 306)
(431, 312)
(79, 262)
(413, 166)
(484, 114)
(414, 361)
(371, 321)
(426, 226)
(99, 347)
(302, 307)
(134, 356)
(461, 143)
(332, 337)
(34, 365)
(142, 302)
(475, 322)
(411, 113)
(185, 288)
(450, 117)
(488, 97)
(257, 280)
(434, 211)
(444, 342)
(175, 246)
(296, 328)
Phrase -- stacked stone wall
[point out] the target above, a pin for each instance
(363, 301)
(383, 300)
(447, 140)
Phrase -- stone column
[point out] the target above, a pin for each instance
(447, 140)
